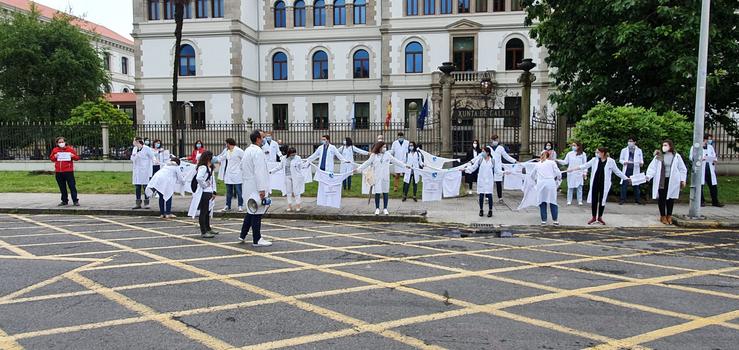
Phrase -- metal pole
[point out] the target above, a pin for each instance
(700, 111)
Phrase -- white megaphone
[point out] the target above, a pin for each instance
(258, 206)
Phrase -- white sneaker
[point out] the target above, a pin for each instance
(579, 203)
(569, 203)
(377, 211)
(500, 200)
(297, 209)
(171, 216)
(289, 209)
(262, 243)
(543, 223)
(225, 210)
(384, 211)
(556, 223)
(241, 209)
(242, 240)
(469, 192)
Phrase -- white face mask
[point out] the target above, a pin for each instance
(495, 143)
(548, 147)
(598, 154)
(411, 148)
(146, 142)
(631, 144)
(474, 145)
(344, 143)
(62, 144)
(665, 149)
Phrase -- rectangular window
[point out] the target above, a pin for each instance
(429, 7)
(419, 104)
(339, 15)
(463, 52)
(320, 116)
(201, 10)
(516, 5)
(217, 9)
(198, 115)
(446, 7)
(498, 5)
(106, 61)
(279, 117)
(124, 65)
(361, 115)
(360, 13)
(411, 7)
(168, 9)
(153, 10)
(319, 16)
(463, 6)
(514, 103)
(481, 6)
(188, 11)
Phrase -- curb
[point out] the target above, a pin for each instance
(684, 221)
(405, 218)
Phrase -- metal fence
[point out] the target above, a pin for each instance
(34, 141)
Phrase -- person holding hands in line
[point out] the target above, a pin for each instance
(380, 161)
(348, 150)
(573, 160)
(669, 173)
(601, 167)
(632, 160)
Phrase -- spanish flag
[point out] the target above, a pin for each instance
(389, 115)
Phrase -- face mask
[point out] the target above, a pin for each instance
(146, 142)
(198, 145)
(344, 143)
(323, 142)
(62, 144)
(631, 145)
(548, 147)
(710, 142)
(665, 149)
(384, 149)
(574, 148)
(484, 154)
(598, 154)
(474, 145)
(157, 145)
(494, 143)
(401, 139)
(268, 138)
(411, 148)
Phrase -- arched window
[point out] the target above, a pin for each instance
(361, 64)
(279, 66)
(411, 7)
(360, 12)
(319, 13)
(280, 21)
(124, 65)
(446, 7)
(320, 65)
(414, 58)
(106, 61)
(299, 13)
(339, 12)
(429, 7)
(463, 6)
(126, 90)
(513, 54)
(187, 61)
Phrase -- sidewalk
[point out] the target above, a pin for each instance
(462, 210)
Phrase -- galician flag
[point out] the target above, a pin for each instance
(389, 115)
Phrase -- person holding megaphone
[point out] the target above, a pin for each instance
(256, 184)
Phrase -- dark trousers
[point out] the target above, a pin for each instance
(347, 183)
(481, 200)
(139, 190)
(499, 188)
(67, 179)
(712, 188)
(665, 205)
(154, 169)
(204, 207)
(253, 222)
(406, 186)
(165, 208)
(596, 205)
(625, 188)
(385, 198)
(230, 191)
(543, 211)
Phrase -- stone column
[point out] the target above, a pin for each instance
(526, 79)
(446, 109)
(106, 141)
(349, 14)
(289, 17)
(329, 15)
(309, 16)
(413, 121)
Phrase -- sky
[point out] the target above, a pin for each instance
(114, 14)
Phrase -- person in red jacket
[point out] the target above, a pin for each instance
(63, 157)
(197, 150)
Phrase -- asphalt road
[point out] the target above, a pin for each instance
(88, 282)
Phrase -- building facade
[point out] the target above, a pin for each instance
(116, 50)
(318, 61)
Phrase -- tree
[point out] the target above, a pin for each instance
(179, 17)
(46, 68)
(641, 53)
(84, 125)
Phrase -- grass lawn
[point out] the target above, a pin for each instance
(120, 183)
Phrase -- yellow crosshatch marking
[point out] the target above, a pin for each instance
(323, 232)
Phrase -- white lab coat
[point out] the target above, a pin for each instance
(168, 180)
(709, 156)
(272, 151)
(205, 184)
(547, 177)
(254, 171)
(610, 168)
(678, 174)
(415, 161)
(638, 160)
(230, 170)
(498, 154)
(142, 165)
(161, 156)
(331, 152)
(295, 183)
(573, 160)
(348, 153)
(488, 170)
(399, 151)
(380, 164)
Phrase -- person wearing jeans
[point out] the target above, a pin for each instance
(256, 184)
(63, 157)
(668, 174)
(230, 173)
(165, 207)
(632, 160)
(547, 177)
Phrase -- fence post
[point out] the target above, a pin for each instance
(413, 121)
(106, 140)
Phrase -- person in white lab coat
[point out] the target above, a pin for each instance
(325, 154)
(142, 158)
(549, 148)
(380, 162)
(472, 153)
(205, 195)
(399, 150)
(487, 170)
(632, 160)
(601, 168)
(499, 153)
(348, 150)
(414, 159)
(161, 156)
(669, 174)
(547, 177)
(165, 183)
(708, 171)
(256, 184)
(271, 148)
(575, 181)
(294, 179)
(230, 173)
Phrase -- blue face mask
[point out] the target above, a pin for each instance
(198, 145)
(269, 139)
(323, 142)
(710, 142)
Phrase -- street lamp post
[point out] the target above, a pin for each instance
(486, 87)
(526, 79)
(700, 111)
(447, 80)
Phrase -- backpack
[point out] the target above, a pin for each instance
(194, 182)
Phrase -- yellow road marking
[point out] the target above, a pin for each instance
(14, 249)
(8, 343)
(47, 282)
